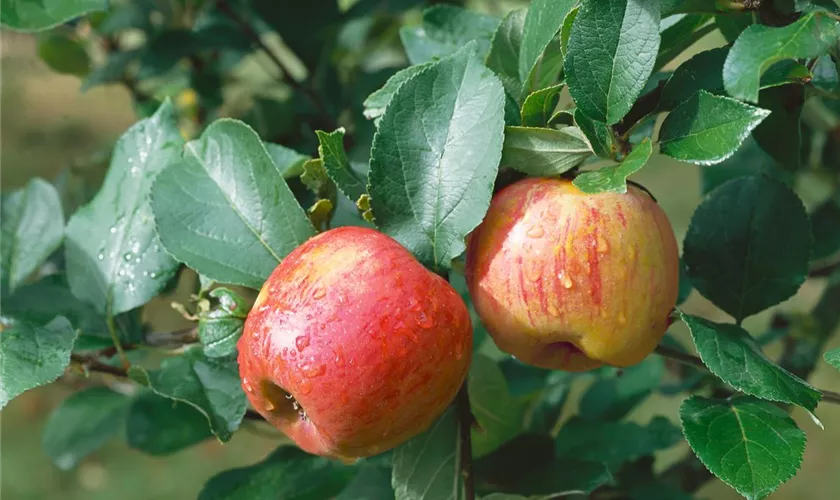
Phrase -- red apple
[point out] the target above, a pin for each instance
(352, 346)
(571, 281)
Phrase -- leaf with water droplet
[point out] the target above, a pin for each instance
(118, 222)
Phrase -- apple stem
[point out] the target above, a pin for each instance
(465, 421)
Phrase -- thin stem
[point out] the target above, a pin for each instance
(94, 365)
(112, 330)
(465, 421)
(680, 357)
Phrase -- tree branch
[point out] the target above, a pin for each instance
(286, 76)
(465, 422)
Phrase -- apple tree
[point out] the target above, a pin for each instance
(261, 124)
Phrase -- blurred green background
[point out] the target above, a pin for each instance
(47, 125)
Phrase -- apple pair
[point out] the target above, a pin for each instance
(353, 347)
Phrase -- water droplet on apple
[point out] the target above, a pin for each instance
(535, 232)
(459, 350)
(424, 320)
(269, 406)
(553, 310)
(302, 342)
(621, 318)
(304, 387)
(312, 371)
(532, 272)
(602, 245)
(343, 397)
(247, 386)
(565, 280)
(319, 294)
(339, 359)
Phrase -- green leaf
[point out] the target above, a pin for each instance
(542, 22)
(33, 355)
(566, 31)
(38, 15)
(160, 426)
(748, 245)
(49, 297)
(685, 284)
(64, 54)
(288, 473)
(427, 467)
(598, 134)
(114, 259)
(832, 357)
(704, 71)
(780, 135)
(707, 129)
(331, 149)
(613, 398)
(224, 210)
(498, 415)
(538, 107)
(445, 30)
(731, 26)
(544, 151)
(564, 477)
(614, 443)
(211, 385)
(435, 157)
(748, 160)
(783, 73)
(503, 58)
(547, 407)
(759, 47)
(681, 34)
(220, 328)
(614, 179)
(612, 50)
(734, 356)
(825, 220)
(751, 445)
(82, 423)
(376, 103)
(32, 228)
(288, 161)
(371, 483)
(112, 70)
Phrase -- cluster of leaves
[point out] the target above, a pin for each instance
(546, 90)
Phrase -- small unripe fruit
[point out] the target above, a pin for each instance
(570, 281)
(352, 346)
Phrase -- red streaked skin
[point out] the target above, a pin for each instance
(369, 344)
(570, 281)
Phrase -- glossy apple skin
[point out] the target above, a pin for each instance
(369, 343)
(565, 280)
